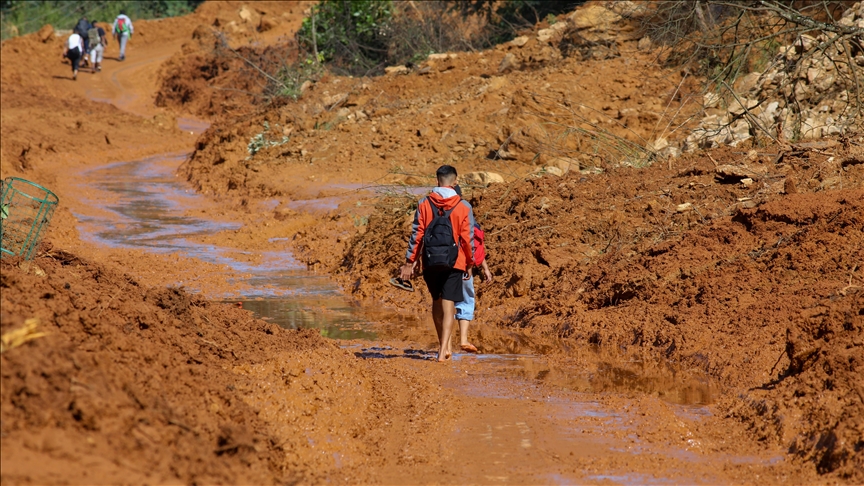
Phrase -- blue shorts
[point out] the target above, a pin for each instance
(465, 309)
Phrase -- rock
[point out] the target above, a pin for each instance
(334, 101)
(45, 34)
(396, 70)
(670, 152)
(593, 16)
(710, 100)
(482, 178)
(414, 181)
(509, 63)
(644, 44)
(746, 84)
(267, 23)
(305, 86)
(736, 172)
(659, 144)
(554, 31)
(564, 163)
(747, 182)
(520, 41)
(626, 8)
(441, 56)
(550, 169)
(245, 14)
(789, 186)
(683, 208)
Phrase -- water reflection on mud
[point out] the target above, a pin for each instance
(664, 384)
(142, 204)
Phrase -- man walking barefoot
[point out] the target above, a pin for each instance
(443, 234)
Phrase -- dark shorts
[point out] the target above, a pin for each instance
(446, 284)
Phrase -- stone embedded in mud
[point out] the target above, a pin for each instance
(644, 44)
(482, 178)
(735, 172)
(509, 63)
(593, 16)
(520, 41)
(334, 101)
(710, 100)
(552, 33)
(267, 23)
(563, 163)
(683, 208)
(396, 70)
(659, 144)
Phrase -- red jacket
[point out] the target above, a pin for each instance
(462, 220)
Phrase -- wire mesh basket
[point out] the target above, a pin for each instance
(26, 210)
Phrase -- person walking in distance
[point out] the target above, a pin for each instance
(74, 51)
(122, 32)
(98, 41)
(442, 237)
(465, 309)
(81, 29)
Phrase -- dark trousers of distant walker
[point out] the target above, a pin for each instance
(74, 56)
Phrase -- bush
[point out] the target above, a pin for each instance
(351, 34)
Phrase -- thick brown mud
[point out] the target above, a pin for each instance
(199, 338)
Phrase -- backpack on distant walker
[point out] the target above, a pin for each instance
(439, 246)
(122, 26)
(93, 37)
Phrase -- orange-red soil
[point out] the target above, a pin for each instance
(749, 299)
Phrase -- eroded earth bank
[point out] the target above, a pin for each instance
(213, 286)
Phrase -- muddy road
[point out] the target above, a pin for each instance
(194, 337)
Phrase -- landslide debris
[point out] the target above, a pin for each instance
(132, 384)
(543, 107)
(807, 89)
(756, 283)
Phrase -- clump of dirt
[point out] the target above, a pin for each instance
(757, 283)
(208, 77)
(137, 384)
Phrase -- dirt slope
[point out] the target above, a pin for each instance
(138, 384)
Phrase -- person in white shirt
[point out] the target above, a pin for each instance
(122, 32)
(74, 52)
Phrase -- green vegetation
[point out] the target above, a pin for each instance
(353, 33)
(262, 140)
(19, 17)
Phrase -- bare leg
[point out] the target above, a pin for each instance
(438, 318)
(463, 331)
(448, 309)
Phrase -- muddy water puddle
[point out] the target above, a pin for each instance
(693, 393)
(143, 205)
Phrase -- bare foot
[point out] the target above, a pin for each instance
(469, 348)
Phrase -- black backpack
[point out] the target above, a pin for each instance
(82, 27)
(439, 247)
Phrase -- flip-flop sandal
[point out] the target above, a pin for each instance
(402, 284)
(469, 348)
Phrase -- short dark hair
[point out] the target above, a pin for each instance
(445, 172)
(123, 12)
